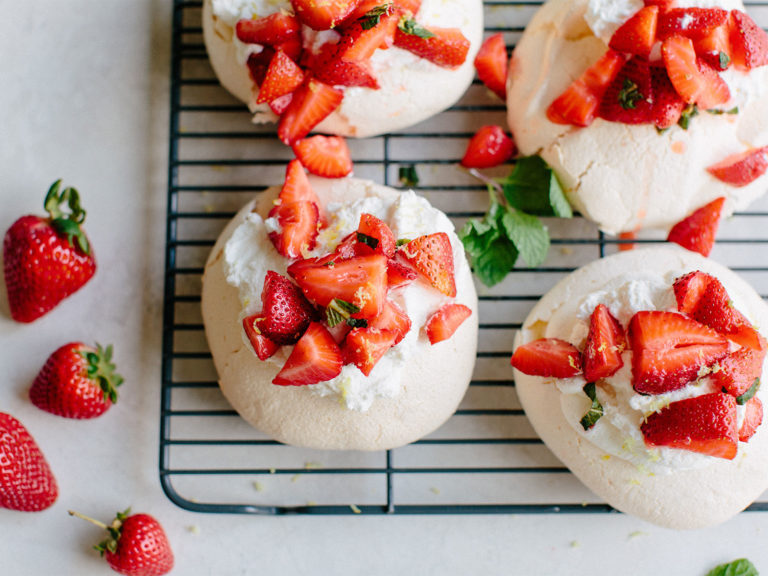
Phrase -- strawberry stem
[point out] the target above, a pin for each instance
(88, 519)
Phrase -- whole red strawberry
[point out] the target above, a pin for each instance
(137, 544)
(77, 381)
(47, 259)
(26, 481)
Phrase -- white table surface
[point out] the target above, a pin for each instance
(84, 97)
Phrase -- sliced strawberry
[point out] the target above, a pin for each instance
(753, 417)
(337, 72)
(746, 335)
(297, 187)
(283, 77)
(312, 102)
(432, 256)
(491, 63)
(258, 64)
(280, 105)
(286, 313)
(262, 346)
(716, 310)
(339, 332)
(628, 99)
(638, 34)
(392, 319)
(399, 273)
(749, 42)
(298, 222)
(270, 30)
(547, 357)
(359, 42)
(364, 347)
(667, 106)
(323, 14)
(293, 48)
(739, 370)
(444, 323)
(689, 289)
(489, 147)
(326, 156)
(669, 349)
(715, 47)
(743, 168)
(448, 47)
(605, 343)
(361, 281)
(375, 231)
(716, 91)
(704, 424)
(682, 67)
(315, 358)
(690, 22)
(697, 231)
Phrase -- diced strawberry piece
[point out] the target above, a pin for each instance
(283, 77)
(746, 335)
(578, 104)
(489, 147)
(444, 323)
(716, 310)
(399, 273)
(667, 106)
(298, 221)
(749, 42)
(262, 346)
(258, 64)
(682, 67)
(364, 347)
(339, 332)
(337, 72)
(605, 343)
(312, 102)
(547, 357)
(689, 290)
(448, 47)
(392, 319)
(704, 424)
(296, 187)
(293, 48)
(629, 97)
(406, 6)
(690, 22)
(432, 256)
(280, 105)
(349, 247)
(377, 232)
(326, 156)
(697, 231)
(315, 358)
(358, 43)
(270, 30)
(662, 4)
(638, 34)
(323, 14)
(361, 281)
(715, 47)
(753, 417)
(739, 370)
(743, 168)
(669, 349)
(491, 63)
(286, 313)
(716, 91)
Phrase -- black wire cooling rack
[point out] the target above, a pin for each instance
(485, 459)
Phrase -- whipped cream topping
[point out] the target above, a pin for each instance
(249, 254)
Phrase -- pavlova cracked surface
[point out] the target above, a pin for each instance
(619, 169)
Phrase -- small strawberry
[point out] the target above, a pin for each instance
(547, 357)
(364, 347)
(375, 233)
(738, 371)
(491, 63)
(137, 544)
(392, 319)
(489, 147)
(704, 424)
(753, 417)
(323, 14)
(47, 259)
(638, 34)
(286, 313)
(270, 30)
(749, 42)
(605, 343)
(432, 256)
(444, 323)
(689, 289)
(26, 481)
(690, 22)
(325, 156)
(742, 168)
(262, 346)
(446, 47)
(315, 358)
(312, 102)
(697, 232)
(77, 381)
(283, 77)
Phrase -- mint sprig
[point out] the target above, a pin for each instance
(511, 229)
(372, 18)
(740, 567)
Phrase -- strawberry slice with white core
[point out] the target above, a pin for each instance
(315, 358)
(286, 313)
(323, 14)
(743, 168)
(283, 77)
(447, 47)
(690, 22)
(280, 105)
(492, 63)
(689, 289)
(444, 323)
(489, 147)
(298, 228)
(392, 319)
(605, 343)
(547, 357)
(749, 42)
(312, 102)
(638, 34)
(324, 156)
(669, 350)
(262, 346)
(364, 347)
(432, 256)
(697, 232)
(375, 233)
(270, 30)
(739, 370)
(705, 424)
(753, 417)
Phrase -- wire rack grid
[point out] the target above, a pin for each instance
(486, 458)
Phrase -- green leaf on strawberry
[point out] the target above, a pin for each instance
(412, 28)
(740, 567)
(595, 411)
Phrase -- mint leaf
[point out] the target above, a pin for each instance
(751, 391)
(372, 18)
(533, 188)
(740, 567)
(528, 235)
(595, 411)
(339, 311)
(412, 28)
(493, 265)
(408, 176)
